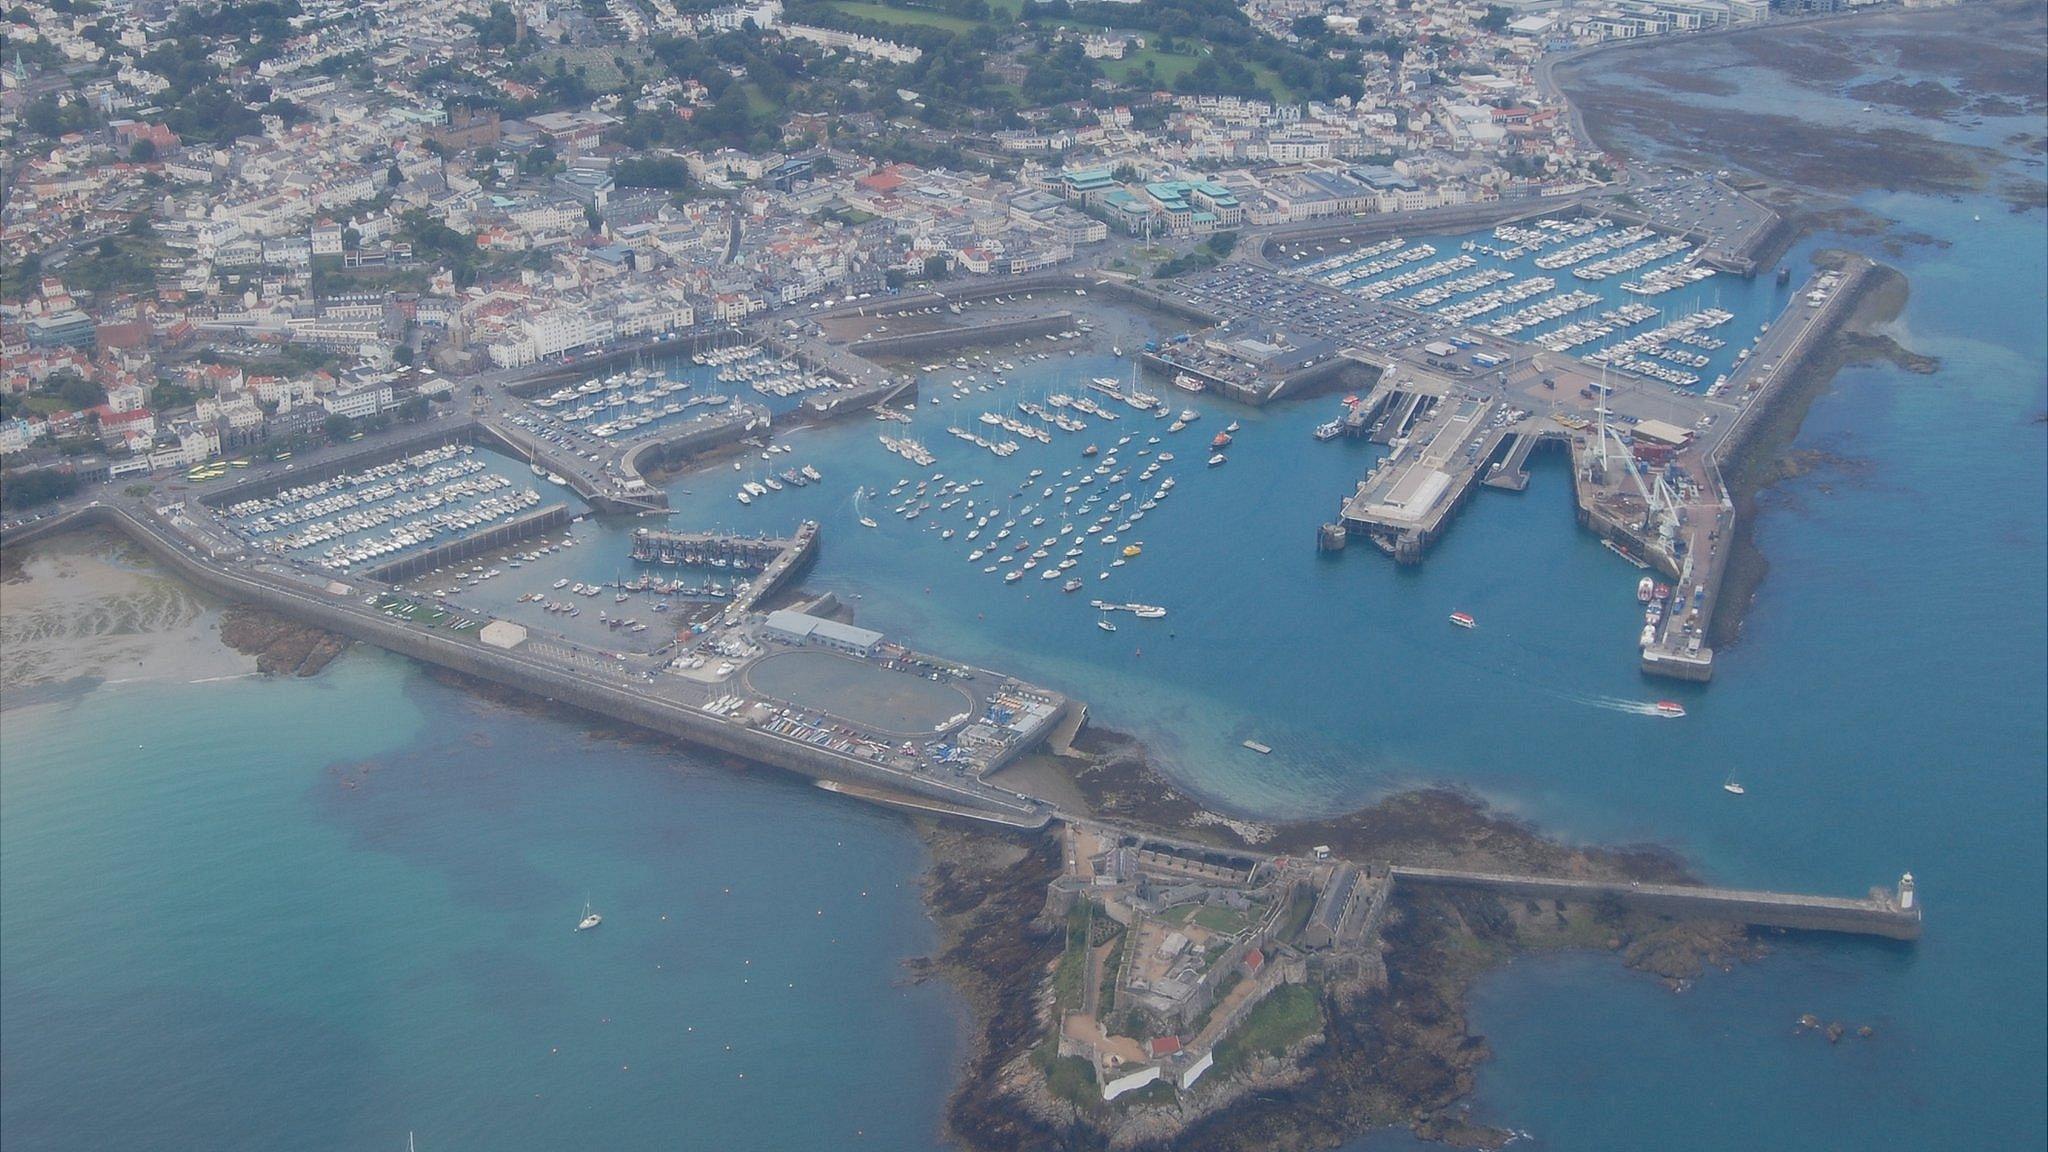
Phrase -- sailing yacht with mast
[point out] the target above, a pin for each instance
(590, 919)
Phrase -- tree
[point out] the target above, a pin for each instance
(1496, 18)
(143, 152)
(76, 390)
(338, 427)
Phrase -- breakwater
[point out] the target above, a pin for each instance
(1893, 916)
(338, 607)
(992, 332)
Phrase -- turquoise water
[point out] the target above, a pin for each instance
(319, 914)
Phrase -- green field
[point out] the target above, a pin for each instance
(600, 64)
(1166, 67)
(1287, 1016)
(907, 17)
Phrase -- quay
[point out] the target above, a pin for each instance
(1894, 914)
(1646, 457)
(707, 549)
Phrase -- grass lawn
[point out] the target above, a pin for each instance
(908, 17)
(1166, 67)
(1228, 921)
(1288, 1015)
(1066, 979)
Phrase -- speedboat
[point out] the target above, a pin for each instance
(1464, 620)
(1670, 708)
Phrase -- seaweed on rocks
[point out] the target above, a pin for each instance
(281, 647)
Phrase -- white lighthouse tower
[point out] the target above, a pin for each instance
(1906, 892)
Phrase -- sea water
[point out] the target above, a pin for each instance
(327, 913)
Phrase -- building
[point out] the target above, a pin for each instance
(794, 627)
(358, 403)
(71, 329)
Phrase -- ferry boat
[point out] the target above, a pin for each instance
(1670, 708)
(1464, 620)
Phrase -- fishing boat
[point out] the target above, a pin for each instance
(1464, 620)
(1670, 708)
(590, 919)
(1644, 587)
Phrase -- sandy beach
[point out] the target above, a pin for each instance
(88, 609)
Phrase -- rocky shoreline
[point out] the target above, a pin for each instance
(281, 647)
(1395, 1047)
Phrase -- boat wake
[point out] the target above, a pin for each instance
(1619, 704)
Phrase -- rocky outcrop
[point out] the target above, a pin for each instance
(281, 647)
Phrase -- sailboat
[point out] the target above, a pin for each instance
(1730, 786)
(590, 919)
(1104, 623)
(865, 520)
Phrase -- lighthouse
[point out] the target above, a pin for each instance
(1906, 892)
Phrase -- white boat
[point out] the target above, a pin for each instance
(1105, 624)
(590, 919)
(1217, 460)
